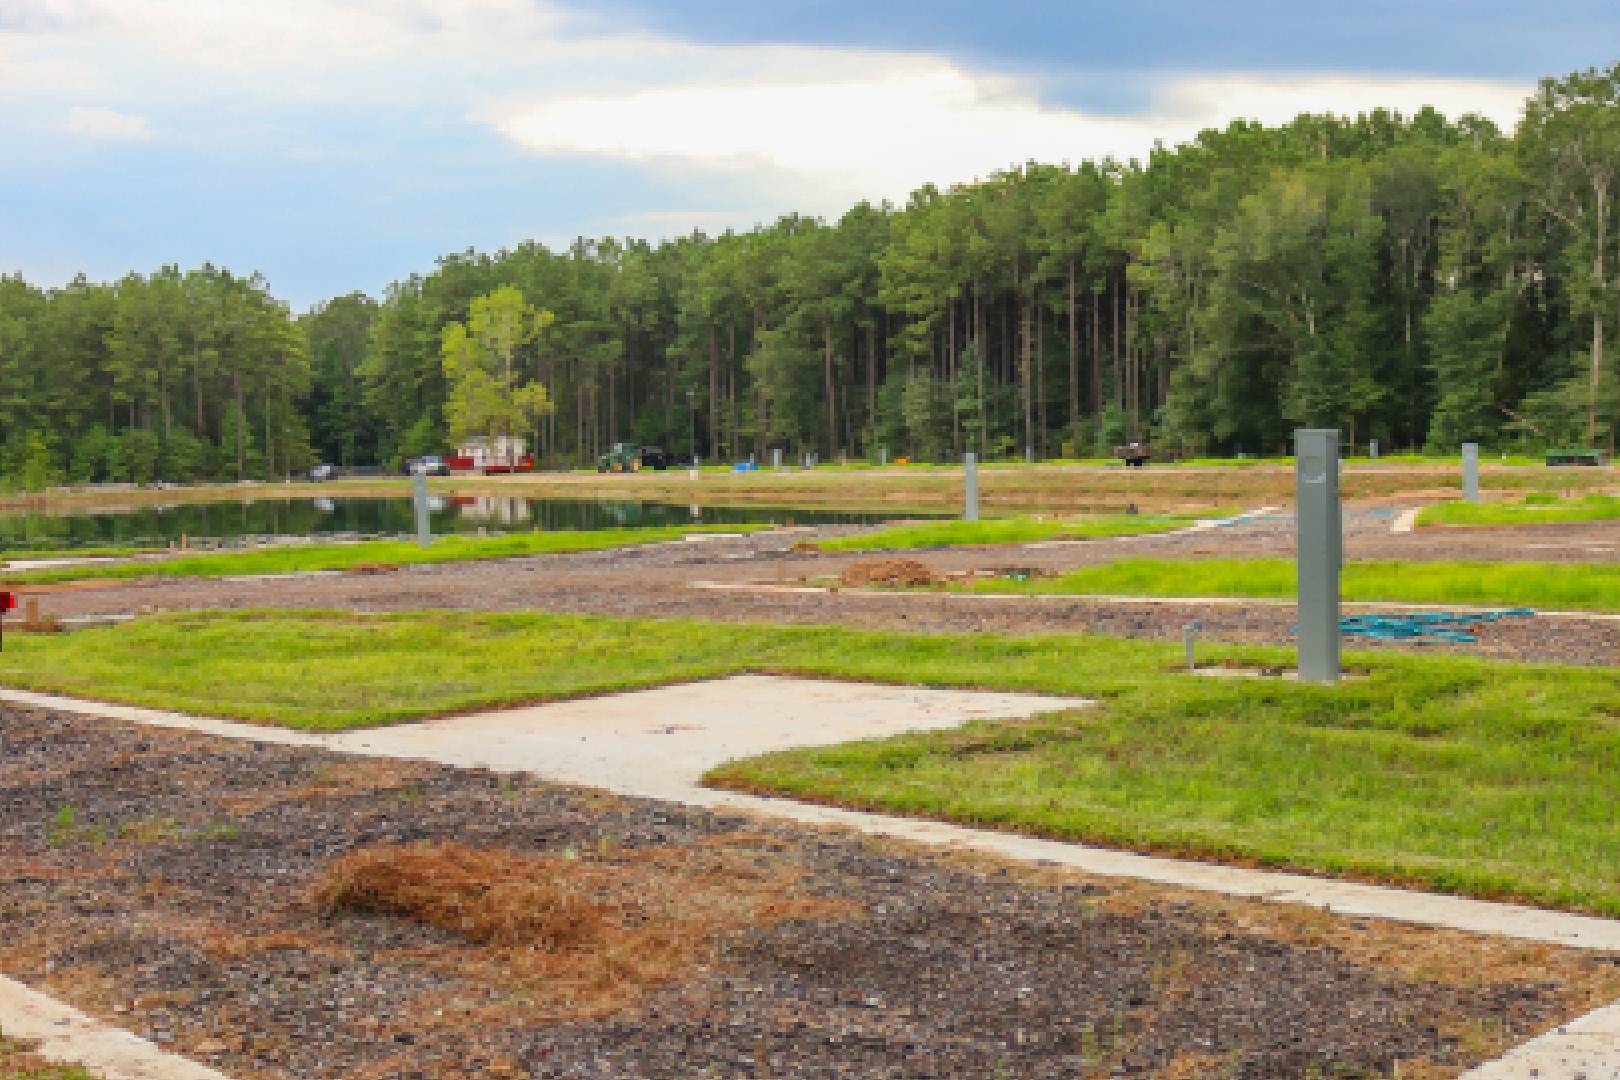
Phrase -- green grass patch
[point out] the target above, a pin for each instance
(304, 558)
(1009, 530)
(1536, 509)
(105, 551)
(1586, 586)
(1449, 773)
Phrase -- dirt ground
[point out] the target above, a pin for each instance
(249, 906)
(658, 581)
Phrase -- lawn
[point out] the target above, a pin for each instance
(303, 558)
(1009, 530)
(1588, 586)
(1536, 509)
(1458, 774)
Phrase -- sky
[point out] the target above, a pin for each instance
(336, 145)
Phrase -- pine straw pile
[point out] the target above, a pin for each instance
(894, 572)
(580, 935)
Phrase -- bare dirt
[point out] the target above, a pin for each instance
(248, 905)
(658, 581)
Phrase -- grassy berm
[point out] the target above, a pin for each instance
(1452, 774)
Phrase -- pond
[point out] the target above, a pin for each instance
(157, 524)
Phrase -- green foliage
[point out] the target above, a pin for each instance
(485, 397)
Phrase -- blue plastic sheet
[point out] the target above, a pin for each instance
(1438, 627)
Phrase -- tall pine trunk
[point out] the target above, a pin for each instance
(1074, 365)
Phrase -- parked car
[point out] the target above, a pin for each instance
(320, 473)
(431, 465)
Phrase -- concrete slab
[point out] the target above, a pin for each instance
(1586, 1049)
(68, 1036)
(658, 743)
(1407, 521)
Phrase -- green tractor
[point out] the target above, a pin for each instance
(624, 457)
(628, 457)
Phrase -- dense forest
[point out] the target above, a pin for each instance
(1411, 279)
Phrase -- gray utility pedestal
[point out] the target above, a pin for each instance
(970, 486)
(1470, 470)
(1319, 533)
(419, 496)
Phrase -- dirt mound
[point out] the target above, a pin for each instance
(901, 572)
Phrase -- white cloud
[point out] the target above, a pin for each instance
(884, 133)
(107, 124)
(793, 127)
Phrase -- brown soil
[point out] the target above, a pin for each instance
(296, 918)
(894, 572)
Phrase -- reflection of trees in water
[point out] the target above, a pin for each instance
(157, 524)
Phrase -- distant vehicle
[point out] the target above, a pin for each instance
(432, 465)
(1138, 454)
(1575, 457)
(320, 473)
(628, 457)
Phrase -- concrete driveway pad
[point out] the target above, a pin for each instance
(658, 742)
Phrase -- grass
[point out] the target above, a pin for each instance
(107, 551)
(304, 558)
(1588, 586)
(1447, 773)
(17, 1063)
(1010, 530)
(1536, 509)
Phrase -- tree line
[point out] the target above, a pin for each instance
(1417, 280)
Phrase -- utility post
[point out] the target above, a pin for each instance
(1319, 534)
(691, 426)
(970, 486)
(1470, 469)
(419, 495)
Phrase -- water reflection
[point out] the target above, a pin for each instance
(322, 515)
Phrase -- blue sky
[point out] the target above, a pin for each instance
(340, 144)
